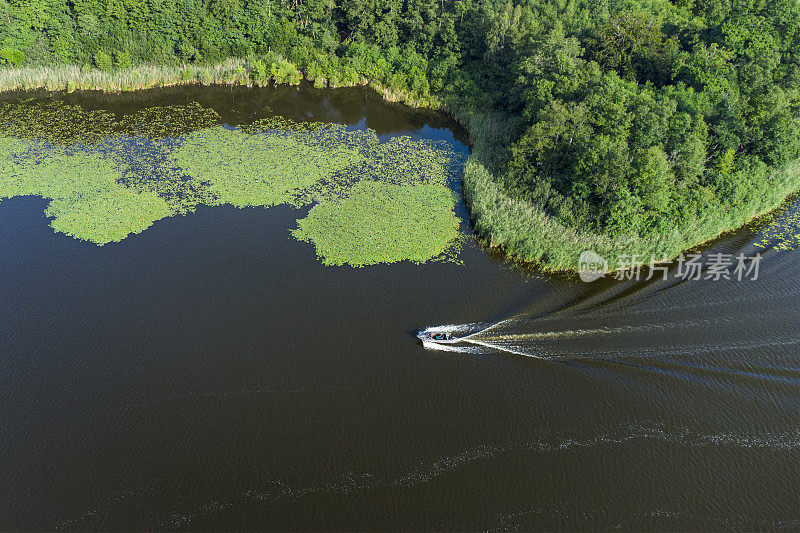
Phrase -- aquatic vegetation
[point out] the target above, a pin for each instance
(63, 124)
(377, 202)
(57, 175)
(396, 205)
(380, 222)
(278, 123)
(110, 177)
(404, 160)
(168, 121)
(258, 169)
(109, 215)
(87, 200)
(11, 148)
(55, 122)
(781, 229)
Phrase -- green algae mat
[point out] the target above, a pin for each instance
(368, 201)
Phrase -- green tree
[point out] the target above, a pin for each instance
(11, 56)
(103, 61)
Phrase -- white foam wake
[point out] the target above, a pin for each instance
(469, 343)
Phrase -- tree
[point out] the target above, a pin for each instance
(634, 44)
(103, 61)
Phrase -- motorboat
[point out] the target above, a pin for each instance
(439, 337)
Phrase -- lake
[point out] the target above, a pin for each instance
(208, 370)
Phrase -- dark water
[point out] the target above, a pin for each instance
(210, 373)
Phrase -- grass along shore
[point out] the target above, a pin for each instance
(74, 77)
(520, 229)
(232, 71)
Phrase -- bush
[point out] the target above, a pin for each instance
(259, 71)
(315, 73)
(38, 52)
(122, 60)
(187, 52)
(11, 56)
(350, 77)
(284, 72)
(380, 70)
(238, 76)
(103, 61)
(335, 79)
(205, 77)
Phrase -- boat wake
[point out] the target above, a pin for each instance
(467, 338)
(458, 348)
(564, 340)
(700, 329)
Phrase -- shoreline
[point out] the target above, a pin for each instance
(518, 229)
(231, 72)
(493, 241)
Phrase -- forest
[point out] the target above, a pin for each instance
(624, 126)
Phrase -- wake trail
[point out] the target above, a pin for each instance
(479, 337)
(505, 349)
(522, 343)
(493, 326)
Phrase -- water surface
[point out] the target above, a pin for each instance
(211, 372)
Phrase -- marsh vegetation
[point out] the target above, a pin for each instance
(108, 177)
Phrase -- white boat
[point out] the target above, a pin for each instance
(439, 337)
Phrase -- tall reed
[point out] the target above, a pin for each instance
(73, 77)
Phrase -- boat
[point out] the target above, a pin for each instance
(439, 337)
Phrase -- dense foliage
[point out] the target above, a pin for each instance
(617, 117)
(656, 114)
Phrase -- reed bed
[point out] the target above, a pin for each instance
(233, 71)
(73, 77)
